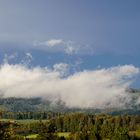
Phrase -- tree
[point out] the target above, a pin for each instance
(47, 131)
(6, 131)
(121, 134)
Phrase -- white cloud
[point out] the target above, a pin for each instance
(97, 88)
(29, 55)
(7, 57)
(54, 42)
(49, 43)
(62, 68)
(27, 59)
(59, 45)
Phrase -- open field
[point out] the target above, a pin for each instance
(65, 134)
(60, 134)
(26, 121)
(32, 136)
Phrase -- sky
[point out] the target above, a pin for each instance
(84, 35)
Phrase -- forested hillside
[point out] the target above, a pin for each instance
(14, 104)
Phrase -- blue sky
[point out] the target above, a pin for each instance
(87, 34)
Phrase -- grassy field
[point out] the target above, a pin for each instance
(23, 121)
(60, 134)
(65, 134)
(26, 121)
(32, 136)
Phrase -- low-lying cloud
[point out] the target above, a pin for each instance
(100, 88)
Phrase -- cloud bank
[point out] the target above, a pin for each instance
(100, 88)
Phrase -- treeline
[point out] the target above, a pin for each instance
(28, 115)
(77, 121)
(91, 127)
(79, 125)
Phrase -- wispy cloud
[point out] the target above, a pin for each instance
(54, 42)
(27, 59)
(100, 88)
(49, 43)
(7, 57)
(59, 45)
